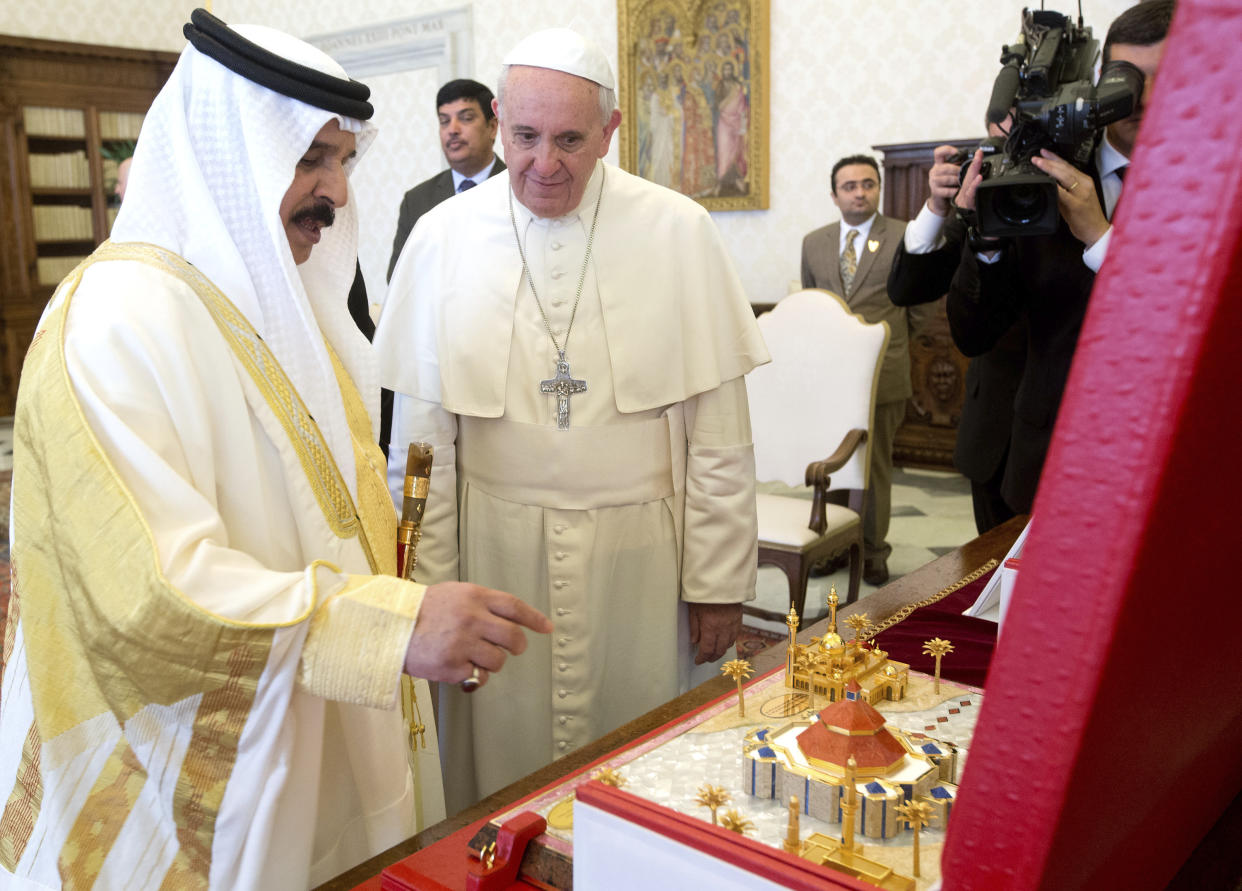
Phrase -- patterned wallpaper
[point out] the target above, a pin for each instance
(845, 76)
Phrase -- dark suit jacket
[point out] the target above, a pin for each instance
(420, 199)
(1040, 279)
(821, 268)
(992, 378)
(360, 310)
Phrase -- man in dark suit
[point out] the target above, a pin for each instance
(922, 274)
(852, 259)
(467, 135)
(1046, 280)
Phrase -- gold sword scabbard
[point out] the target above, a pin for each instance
(413, 504)
(409, 531)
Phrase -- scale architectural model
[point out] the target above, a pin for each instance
(846, 765)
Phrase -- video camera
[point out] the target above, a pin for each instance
(1045, 78)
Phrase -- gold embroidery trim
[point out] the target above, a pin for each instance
(377, 519)
(91, 837)
(22, 809)
(278, 391)
(208, 764)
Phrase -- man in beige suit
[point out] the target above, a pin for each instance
(853, 260)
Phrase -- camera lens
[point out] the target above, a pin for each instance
(1021, 205)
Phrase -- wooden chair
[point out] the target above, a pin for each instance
(811, 411)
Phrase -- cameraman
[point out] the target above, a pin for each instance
(1045, 281)
(923, 270)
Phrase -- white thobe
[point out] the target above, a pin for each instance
(608, 527)
(317, 779)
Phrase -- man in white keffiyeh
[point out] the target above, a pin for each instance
(205, 639)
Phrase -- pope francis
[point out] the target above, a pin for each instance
(573, 341)
(205, 639)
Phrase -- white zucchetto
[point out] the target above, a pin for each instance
(561, 49)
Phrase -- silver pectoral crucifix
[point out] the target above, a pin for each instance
(563, 385)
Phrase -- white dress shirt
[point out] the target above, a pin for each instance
(477, 178)
(1108, 160)
(864, 229)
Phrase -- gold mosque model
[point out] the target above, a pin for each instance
(846, 765)
(826, 665)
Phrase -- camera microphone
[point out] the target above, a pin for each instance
(1005, 89)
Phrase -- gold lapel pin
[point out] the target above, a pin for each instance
(873, 245)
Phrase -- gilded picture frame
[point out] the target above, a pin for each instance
(694, 97)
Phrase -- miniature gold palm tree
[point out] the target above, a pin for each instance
(937, 647)
(735, 822)
(609, 777)
(859, 623)
(918, 814)
(712, 797)
(739, 670)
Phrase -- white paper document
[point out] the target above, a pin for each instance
(993, 601)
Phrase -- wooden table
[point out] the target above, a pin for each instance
(916, 586)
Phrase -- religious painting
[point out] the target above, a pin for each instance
(694, 98)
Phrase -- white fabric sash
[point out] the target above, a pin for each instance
(582, 468)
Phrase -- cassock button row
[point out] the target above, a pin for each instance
(562, 693)
(556, 245)
(561, 611)
(559, 528)
(557, 273)
(563, 642)
(564, 666)
(561, 555)
(562, 745)
(563, 720)
(560, 583)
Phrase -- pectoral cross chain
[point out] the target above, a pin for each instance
(564, 386)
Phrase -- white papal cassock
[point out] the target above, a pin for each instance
(645, 502)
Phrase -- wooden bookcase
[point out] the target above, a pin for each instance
(61, 106)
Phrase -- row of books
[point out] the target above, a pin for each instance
(119, 125)
(60, 222)
(64, 170)
(62, 122)
(70, 123)
(51, 270)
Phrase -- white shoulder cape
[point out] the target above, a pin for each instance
(676, 318)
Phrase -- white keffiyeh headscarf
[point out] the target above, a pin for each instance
(216, 155)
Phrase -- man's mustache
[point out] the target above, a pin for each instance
(320, 212)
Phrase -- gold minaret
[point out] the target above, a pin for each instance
(793, 842)
(831, 639)
(849, 807)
